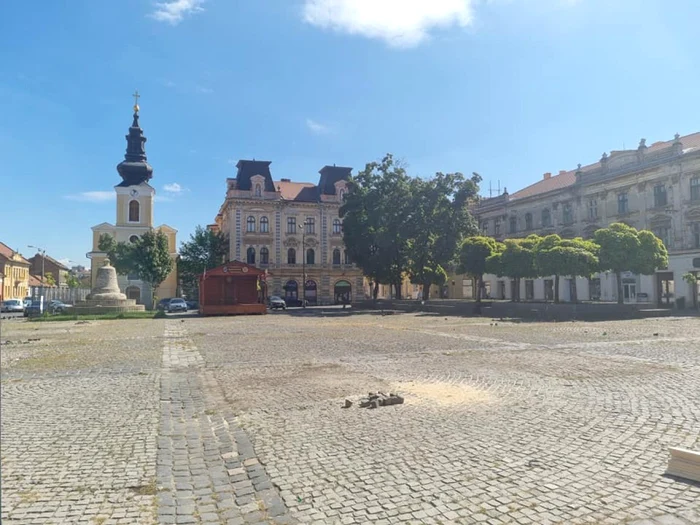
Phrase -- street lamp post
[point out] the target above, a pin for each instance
(43, 258)
(303, 264)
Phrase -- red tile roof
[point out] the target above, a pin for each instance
(8, 252)
(557, 182)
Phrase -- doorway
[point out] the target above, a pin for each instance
(629, 290)
(666, 289)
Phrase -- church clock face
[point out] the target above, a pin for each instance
(134, 193)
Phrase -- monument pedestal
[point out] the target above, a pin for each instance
(106, 297)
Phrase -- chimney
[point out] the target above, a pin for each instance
(547, 176)
(285, 180)
(561, 172)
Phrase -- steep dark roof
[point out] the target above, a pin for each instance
(329, 176)
(134, 169)
(250, 168)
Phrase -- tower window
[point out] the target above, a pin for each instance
(258, 190)
(134, 211)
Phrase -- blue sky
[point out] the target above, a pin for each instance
(508, 88)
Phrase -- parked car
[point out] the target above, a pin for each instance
(27, 301)
(177, 305)
(275, 303)
(163, 303)
(295, 302)
(57, 307)
(34, 309)
(12, 305)
(192, 305)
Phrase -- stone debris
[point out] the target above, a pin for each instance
(380, 399)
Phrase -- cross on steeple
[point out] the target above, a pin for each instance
(136, 100)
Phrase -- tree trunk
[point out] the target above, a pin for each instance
(517, 289)
(574, 290)
(375, 291)
(618, 278)
(397, 286)
(426, 291)
(479, 288)
(556, 289)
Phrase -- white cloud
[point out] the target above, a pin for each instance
(92, 196)
(317, 127)
(233, 162)
(173, 188)
(401, 23)
(160, 198)
(174, 11)
(204, 90)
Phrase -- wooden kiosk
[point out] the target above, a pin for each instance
(234, 288)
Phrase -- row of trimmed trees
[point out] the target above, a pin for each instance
(617, 249)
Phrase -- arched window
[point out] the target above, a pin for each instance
(528, 221)
(134, 211)
(258, 190)
(546, 218)
(337, 226)
(347, 258)
(341, 195)
(264, 255)
(291, 256)
(336, 256)
(310, 256)
(250, 224)
(264, 225)
(250, 255)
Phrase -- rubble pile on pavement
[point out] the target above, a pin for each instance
(377, 400)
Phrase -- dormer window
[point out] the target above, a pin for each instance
(341, 195)
(258, 190)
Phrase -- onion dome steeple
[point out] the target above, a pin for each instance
(134, 169)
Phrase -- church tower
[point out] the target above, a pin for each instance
(134, 194)
(134, 215)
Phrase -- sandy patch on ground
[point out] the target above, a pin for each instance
(440, 393)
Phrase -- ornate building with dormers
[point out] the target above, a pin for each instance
(134, 216)
(293, 230)
(655, 187)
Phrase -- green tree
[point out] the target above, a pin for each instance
(148, 256)
(517, 260)
(151, 259)
(574, 257)
(203, 251)
(439, 218)
(428, 277)
(623, 248)
(692, 279)
(472, 259)
(375, 215)
(49, 279)
(72, 281)
(120, 254)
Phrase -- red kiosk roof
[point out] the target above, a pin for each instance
(233, 268)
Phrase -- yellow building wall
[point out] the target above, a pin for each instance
(14, 273)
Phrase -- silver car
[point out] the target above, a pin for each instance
(12, 305)
(177, 305)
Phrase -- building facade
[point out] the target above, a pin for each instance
(653, 187)
(134, 217)
(293, 230)
(43, 264)
(14, 274)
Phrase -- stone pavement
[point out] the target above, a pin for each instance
(238, 420)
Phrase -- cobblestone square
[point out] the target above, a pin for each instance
(239, 420)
